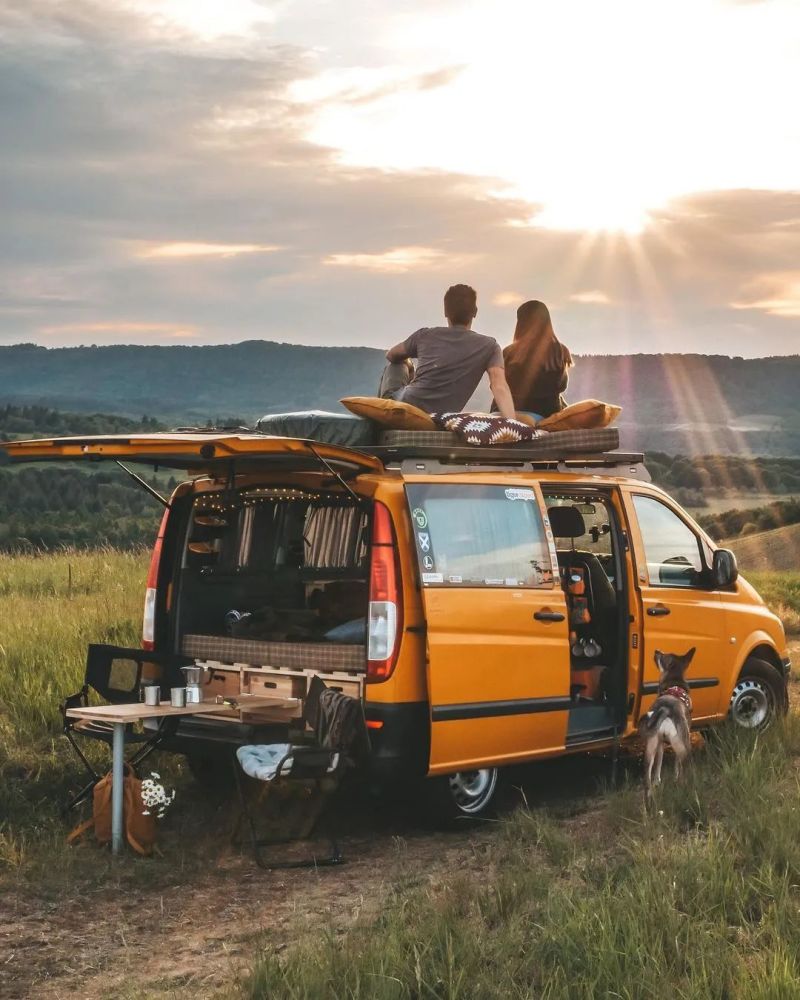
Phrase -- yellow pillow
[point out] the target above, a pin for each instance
(391, 413)
(587, 414)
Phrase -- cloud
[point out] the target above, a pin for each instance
(396, 261)
(507, 298)
(178, 250)
(128, 146)
(117, 331)
(591, 298)
(776, 294)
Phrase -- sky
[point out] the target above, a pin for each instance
(319, 171)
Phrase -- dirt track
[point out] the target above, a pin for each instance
(123, 939)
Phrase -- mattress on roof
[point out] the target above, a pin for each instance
(344, 429)
(556, 444)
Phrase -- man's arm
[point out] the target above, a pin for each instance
(397, 353)
(501, 392)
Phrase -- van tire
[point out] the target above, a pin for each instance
(452, 799)
(759, 696)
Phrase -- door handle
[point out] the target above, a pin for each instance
(658, 611)
(548, 616)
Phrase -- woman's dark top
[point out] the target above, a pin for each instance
(541, 394)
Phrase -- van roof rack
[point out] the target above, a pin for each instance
(449, 460)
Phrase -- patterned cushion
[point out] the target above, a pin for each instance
(485, 428)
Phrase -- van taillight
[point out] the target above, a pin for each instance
(385, 599)
(149, 619)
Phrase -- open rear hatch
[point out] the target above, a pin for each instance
(266, 583)
(198, 453)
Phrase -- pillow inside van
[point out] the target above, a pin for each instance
(585, 415)
(391, 413)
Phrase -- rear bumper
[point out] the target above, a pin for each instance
(401, 746)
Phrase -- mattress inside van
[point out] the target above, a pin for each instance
(286, 655)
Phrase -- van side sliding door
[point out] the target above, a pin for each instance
(498, 656)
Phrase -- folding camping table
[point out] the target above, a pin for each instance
(122, 715)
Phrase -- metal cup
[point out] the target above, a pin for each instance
(178, 697)
(152, 694)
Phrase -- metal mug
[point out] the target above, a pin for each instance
(193, 694)
(178, 697)
(152, 694)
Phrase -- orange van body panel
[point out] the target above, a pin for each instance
(466, 646)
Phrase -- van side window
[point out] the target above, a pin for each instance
(479, 536)
(673, 552)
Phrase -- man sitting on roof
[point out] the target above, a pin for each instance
(451, 361)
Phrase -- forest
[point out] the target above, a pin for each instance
(47, 507)
(674, 403)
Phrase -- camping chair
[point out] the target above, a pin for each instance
(314, 770)
(115, 673)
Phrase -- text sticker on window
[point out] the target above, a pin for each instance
(520, 493)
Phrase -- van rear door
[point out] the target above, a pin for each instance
(210, 453)
(498, 651)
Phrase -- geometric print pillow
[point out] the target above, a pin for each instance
(486, 428)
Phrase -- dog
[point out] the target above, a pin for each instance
(670, 718)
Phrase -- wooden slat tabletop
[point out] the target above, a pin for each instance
(137, 710)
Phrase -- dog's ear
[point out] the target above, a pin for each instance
(661, 661)
(688, 657)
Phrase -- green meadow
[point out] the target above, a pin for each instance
(587, 897)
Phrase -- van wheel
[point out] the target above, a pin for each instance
(759, 696)
(462, 796)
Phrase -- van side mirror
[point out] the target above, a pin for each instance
(724, 570)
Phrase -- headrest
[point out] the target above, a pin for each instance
(566, 522)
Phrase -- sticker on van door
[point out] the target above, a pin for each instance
(420, 517)
(520, 493)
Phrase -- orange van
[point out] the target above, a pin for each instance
(490, 606)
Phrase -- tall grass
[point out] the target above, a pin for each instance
(698, 900)
(781, 591)
(51, 607)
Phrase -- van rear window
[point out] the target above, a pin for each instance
(479, 536)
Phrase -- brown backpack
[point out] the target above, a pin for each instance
(139, 826)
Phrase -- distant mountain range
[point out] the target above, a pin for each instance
(677, 403)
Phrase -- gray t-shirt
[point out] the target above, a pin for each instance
(451, 361)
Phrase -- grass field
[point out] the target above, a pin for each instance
(586, 898)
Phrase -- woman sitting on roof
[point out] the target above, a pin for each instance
(536, 362)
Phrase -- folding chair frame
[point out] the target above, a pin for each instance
(148, 743)
(333, 855)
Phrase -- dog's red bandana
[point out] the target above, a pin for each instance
(682, 694)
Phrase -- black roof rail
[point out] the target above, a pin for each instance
(449, 460)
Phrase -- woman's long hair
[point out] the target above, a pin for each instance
(535, 346)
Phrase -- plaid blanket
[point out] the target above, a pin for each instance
(486, 429)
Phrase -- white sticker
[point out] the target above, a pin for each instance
(424, 540)
(432, 578)
(427, 562)
(512, 581)
(490, 582)
(520, 493)
(455, 579)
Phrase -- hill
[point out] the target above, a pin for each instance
(777, 550)
(690, 404)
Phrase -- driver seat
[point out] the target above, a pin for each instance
(568, 522)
